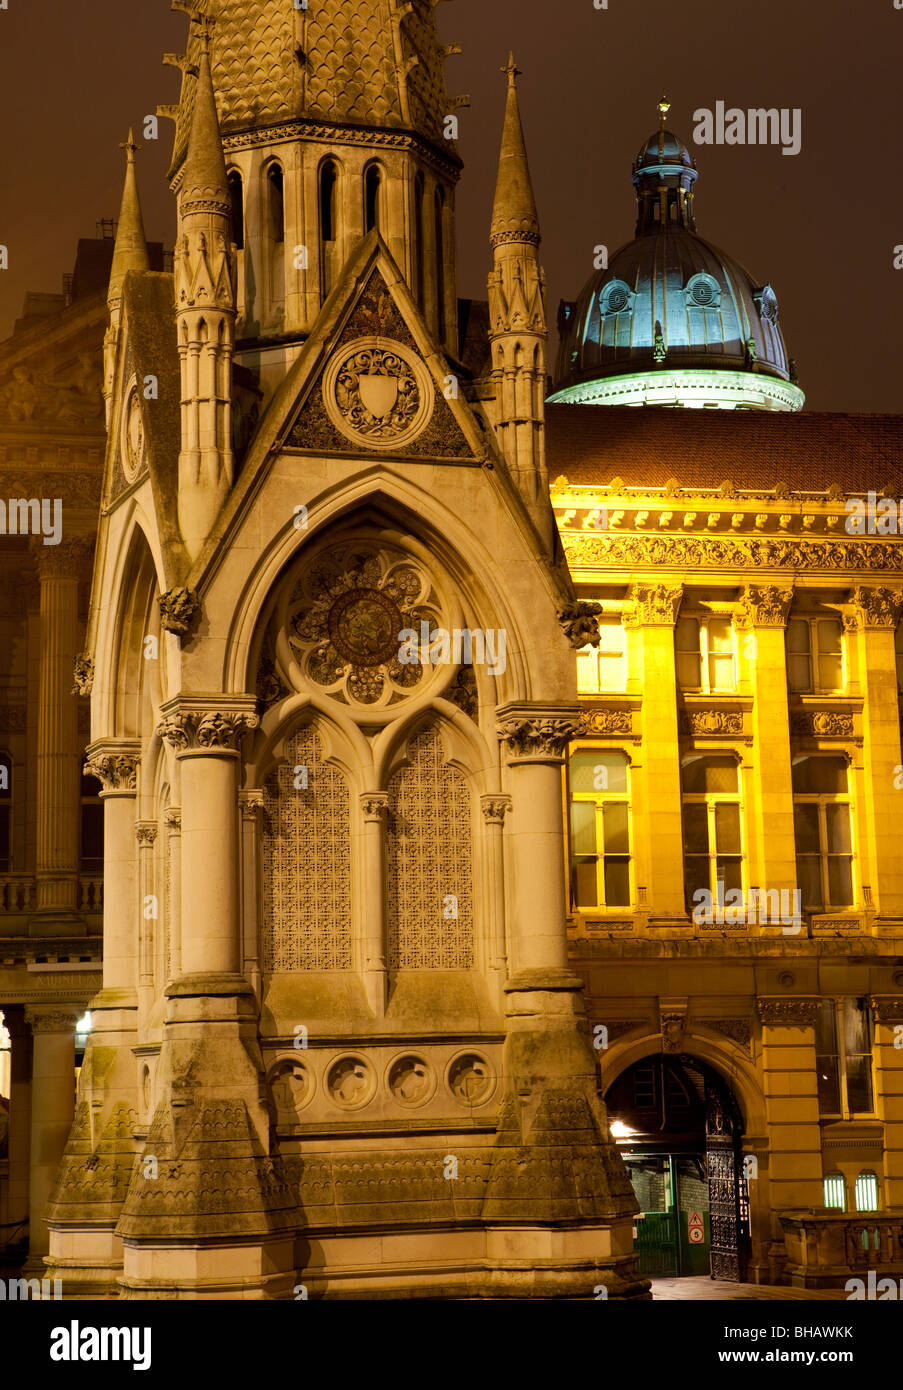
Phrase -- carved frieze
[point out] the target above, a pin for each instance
(700, 722)
(822, 723)
(730, 552)
(737, 1029)
(787, 1013)
(606, 721)
(887, 1008)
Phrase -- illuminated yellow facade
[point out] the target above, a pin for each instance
(741, 737)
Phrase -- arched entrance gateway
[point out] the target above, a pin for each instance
(679, 1130)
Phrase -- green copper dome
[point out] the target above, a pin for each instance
(672, 320)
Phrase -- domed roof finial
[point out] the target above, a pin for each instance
(664, 106)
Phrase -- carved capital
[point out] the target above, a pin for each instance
(879, 607)
(495, 808)
(115, 767)
(54, 1018)
(375, 805)
(580, 622)
(251, 802)
(178, 609)
(68, 560)
(146, 833)
(654, 605)
(213, 731)
(763, 607)
(172, 819)
(539, 736)
(788, 1013)
(83, 674)
(887, 1008)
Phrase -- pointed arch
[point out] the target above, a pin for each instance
(126, 685)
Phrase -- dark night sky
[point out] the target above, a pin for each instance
(820, 226)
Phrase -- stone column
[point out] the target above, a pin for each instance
(887, 1012)
(19, 1145)
(115, 764)
(791, 1102)
(148, 915)
(58, 776)
(535, 737)
(762, 618)
(251, 803)
(375, 809)
(173, 821)
(206, 742)
(52, 1109)
(882, 870)
(655, 610)
(494, 810)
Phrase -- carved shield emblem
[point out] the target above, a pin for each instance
(378, 393)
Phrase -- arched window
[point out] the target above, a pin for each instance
(306, 861)
(329, 181)
(276, 202)
(236, 192)
(6, 796)
(418, 239)
(430, 862)
(867, 1191)
(372, 195)
(440, 261)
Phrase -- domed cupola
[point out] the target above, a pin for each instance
(673, 321)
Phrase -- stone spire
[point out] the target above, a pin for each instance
(514, 209)
(129, 253)
(205, 279)
(517, 319)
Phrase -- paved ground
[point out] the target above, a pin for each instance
(720, 1289)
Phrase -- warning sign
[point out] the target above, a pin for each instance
(696, 1228)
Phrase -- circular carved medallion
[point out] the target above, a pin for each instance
(470, 1079)
(350, 1083)
(411, 1081)
(132, 437)
(364, 625)
(378, 393)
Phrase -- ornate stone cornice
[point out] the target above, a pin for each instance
(879, 607)
(787, 1013)
(494, 808)
(83, 674)
(887, 1008)
(580, 622)
(211, 731)
(537, 733)
(178, 609)
(115, 765)
(763, 607)
(655, 605)
(727, 552)
(375, 805)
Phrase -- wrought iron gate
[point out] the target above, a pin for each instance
(729, 1212)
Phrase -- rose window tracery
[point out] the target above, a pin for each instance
(347, 618)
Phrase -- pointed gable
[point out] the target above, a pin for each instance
(375, 391)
